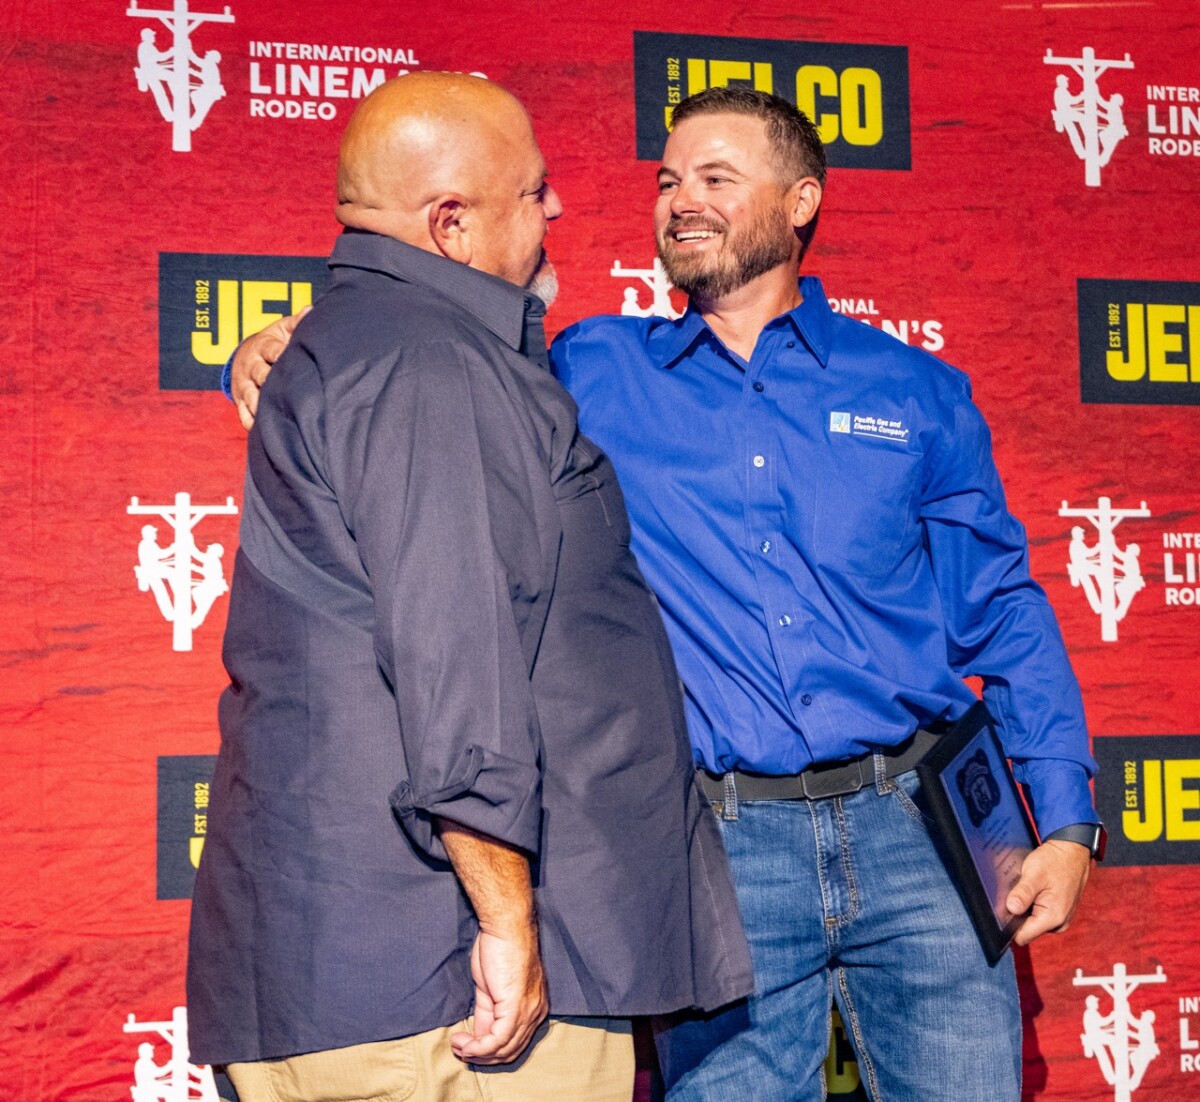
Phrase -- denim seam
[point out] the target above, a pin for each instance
(864, 1057)
(851, 911)
(825, 900)
(908, 805)
(828, 1002)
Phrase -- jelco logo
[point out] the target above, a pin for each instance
(207, 302)
(856, 95)
(184, 784)
(1139, 342)
(1148, 792)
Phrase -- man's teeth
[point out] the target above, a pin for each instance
(694, 235)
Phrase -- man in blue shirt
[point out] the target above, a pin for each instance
(816, 506)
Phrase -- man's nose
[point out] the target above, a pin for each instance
(552, 204)
(685, 200)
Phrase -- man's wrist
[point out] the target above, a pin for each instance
(510, 927)
(1092, 836)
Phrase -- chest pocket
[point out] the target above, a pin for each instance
(866, 508)
(595, 483)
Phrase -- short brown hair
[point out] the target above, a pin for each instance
(797, 150)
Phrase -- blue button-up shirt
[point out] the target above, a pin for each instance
(827, 535)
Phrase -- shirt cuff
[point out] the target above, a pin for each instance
(496, 796)
(1060, 793)
(227, 378)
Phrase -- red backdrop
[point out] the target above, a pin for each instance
(958, 213)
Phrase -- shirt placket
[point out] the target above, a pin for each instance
(763, 510)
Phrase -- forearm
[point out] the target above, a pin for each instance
(495, 876)
(510, 988)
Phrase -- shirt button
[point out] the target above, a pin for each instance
(759, 387)
(765, 546)
(806, 699)
(791, 344)
(784, 620)
(759, 461)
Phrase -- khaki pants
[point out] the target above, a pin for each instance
(569, 1060)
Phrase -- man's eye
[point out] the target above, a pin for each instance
(716, 181)
(665, 186)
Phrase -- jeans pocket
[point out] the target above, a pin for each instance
(907, 790)
(381, 1071)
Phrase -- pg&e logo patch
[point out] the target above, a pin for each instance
(857, 96)
(208, 302)
(184, 785)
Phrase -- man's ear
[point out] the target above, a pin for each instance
(450, 227)
(804, 200)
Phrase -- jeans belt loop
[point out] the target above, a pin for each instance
(729, 807)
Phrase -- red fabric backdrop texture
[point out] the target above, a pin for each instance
(972, 191)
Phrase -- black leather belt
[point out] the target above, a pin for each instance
(819, 782)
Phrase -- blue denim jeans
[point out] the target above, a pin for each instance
(847, 899)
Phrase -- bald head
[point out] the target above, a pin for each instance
(442, 161)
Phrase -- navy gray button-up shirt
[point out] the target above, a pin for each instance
(435, 612)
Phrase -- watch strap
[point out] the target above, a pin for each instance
(1091, 835)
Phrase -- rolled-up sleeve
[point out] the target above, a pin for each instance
(421, 506)
(1000, 625)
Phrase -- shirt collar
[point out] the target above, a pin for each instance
(812, 320)
(674, 341)
(501, 306)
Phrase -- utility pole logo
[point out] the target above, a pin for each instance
(177, 1080)
(1093, 124)
(184, 84)
(1109, 575)
(185, 581)
(660, 287)
(1121, 1042)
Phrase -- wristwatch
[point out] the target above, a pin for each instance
(1092, 835)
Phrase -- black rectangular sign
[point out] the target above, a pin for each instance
(856, 95)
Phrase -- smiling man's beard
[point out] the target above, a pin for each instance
(745, 255)
(544, 282)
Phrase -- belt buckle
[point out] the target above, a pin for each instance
(821, 782)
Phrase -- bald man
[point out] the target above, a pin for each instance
(454, 790)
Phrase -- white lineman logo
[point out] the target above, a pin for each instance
(1121, 1043)
(184, 85)
(185, 581)
(1093, 124)
(656, 280)
(1108, 574)
(178, 1080)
